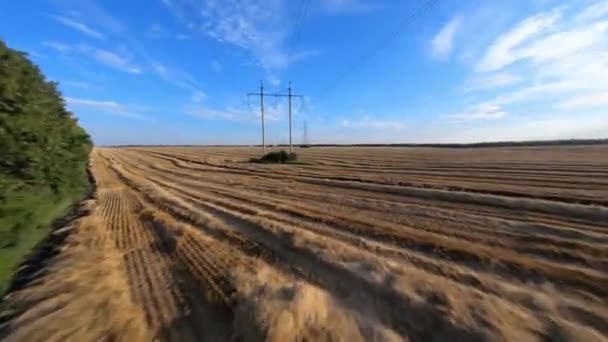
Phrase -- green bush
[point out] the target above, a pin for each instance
(276, 157)
(43, 156)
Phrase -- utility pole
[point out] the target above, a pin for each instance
(289, 95)
(261, 94)
(262, 109)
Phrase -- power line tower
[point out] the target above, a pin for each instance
(289, 95)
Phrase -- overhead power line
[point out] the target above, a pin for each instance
(297, 26)
(379, 45)
(298, 18)
(304, 4)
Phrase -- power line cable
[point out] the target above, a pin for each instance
(298, 16)
(381, 44)
(297, 28)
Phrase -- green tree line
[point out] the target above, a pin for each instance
(43, 157)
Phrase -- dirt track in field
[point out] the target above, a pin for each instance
(382, 244)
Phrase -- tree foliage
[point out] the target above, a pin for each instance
(43, 150)
(276, 157)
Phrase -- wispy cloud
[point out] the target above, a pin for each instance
(368, 122)
(539, 92)
(274, 80)
(562, 55)
(443, 41)
(106, 107)
(228, 114)
(116, 61)
(504, 50)
(135, 57)
(485, 111)
(494, 108)
(273, 112)
(61, 47)
(259, 27)
(78, 26)
(590, 100)
(198, 96)
(77, 84)
(256, 27)
(595, 11)
(179, 79)
(350, 6)
(491, 81)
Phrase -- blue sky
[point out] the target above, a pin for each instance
(177, 71)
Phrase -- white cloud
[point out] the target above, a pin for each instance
(274, 80)
(77, 25)
(501, 53)
(58, 46)
(116, 61)
(129, 53)
(569, 127)
(589, 100)
(108, 107)
(588, 67)
(256, 27)
(106, 57)
(491, 81)
(595, 11)
(484, 111)
(564, 60)
(525, 127)
(495, 108)
(564, 44)
(198, 96)
(510, 128)
(443, 41)
(274, 111)
(77, 84)
(177, 78)
(229, 114)
(181, 36)
(370, 123)
(542, 91)
(259, 27)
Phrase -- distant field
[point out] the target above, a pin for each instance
(365, 243)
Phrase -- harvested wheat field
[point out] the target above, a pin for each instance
(349, 244)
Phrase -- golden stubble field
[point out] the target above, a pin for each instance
(370, 244)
